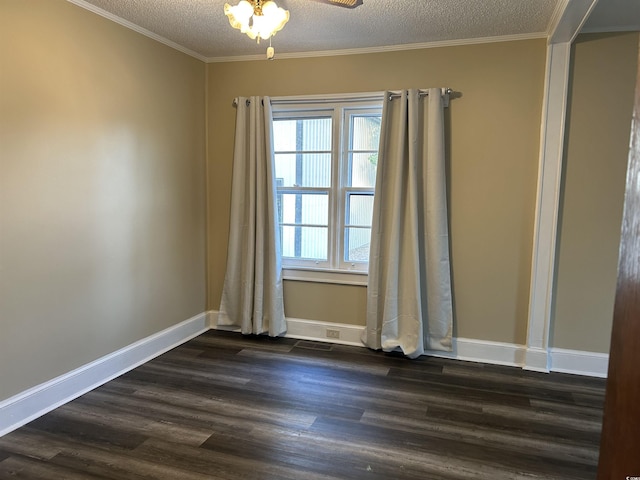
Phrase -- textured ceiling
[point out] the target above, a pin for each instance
(200, 26)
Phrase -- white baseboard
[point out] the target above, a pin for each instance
(536, 359)
(315, 330)
(31, 404)
(484, 351)
(468, 349)
(463, 348)
(318, 331)
(592, 364)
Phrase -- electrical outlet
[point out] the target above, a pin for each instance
(333, 333)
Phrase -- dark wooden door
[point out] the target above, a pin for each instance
(620, 444)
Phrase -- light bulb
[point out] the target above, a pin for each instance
(261, 26)
(239, 15)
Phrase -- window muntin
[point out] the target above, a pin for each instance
(326, 162)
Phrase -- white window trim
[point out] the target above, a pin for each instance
(325, 275)
(320, 105)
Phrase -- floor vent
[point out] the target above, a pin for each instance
(314, 345)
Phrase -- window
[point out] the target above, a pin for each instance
(326, 159)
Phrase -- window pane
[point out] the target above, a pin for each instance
(359, 209)
(303, 208)
(305, 134)
(362, 169)
(315, 200)
(304, 242)
(365, 132)
(357, 242)
(304, 170)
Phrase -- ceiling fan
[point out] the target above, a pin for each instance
(342, 3)
(263, 18)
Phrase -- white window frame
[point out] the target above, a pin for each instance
(335, 269)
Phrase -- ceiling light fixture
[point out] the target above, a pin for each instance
(257, 18)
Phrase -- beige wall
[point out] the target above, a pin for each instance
(102, 139)
(101, 189)
(494, 142)
(598, 129)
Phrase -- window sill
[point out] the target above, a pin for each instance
(317, 275)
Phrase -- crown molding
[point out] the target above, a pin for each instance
(322, 53)
(136, 28)
(556, 16)
(384, 49)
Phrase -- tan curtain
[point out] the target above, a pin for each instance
(409, 303)
(252, 293)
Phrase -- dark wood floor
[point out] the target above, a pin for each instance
(224, 406)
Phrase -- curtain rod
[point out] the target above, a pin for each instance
(344, 97)
(421, 93)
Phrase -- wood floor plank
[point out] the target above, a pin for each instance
(200, 418)
(224, 465)
(559, 382)
(30, 443)
(546, 417)
(487, 385)
(485, 437)
(308, 454)
(100, 460)
(232, 407)
(95, 433)
(504, 457)
(136, 422)
(525, 425)
(231, 412)
(19, 467)
(125, 467)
